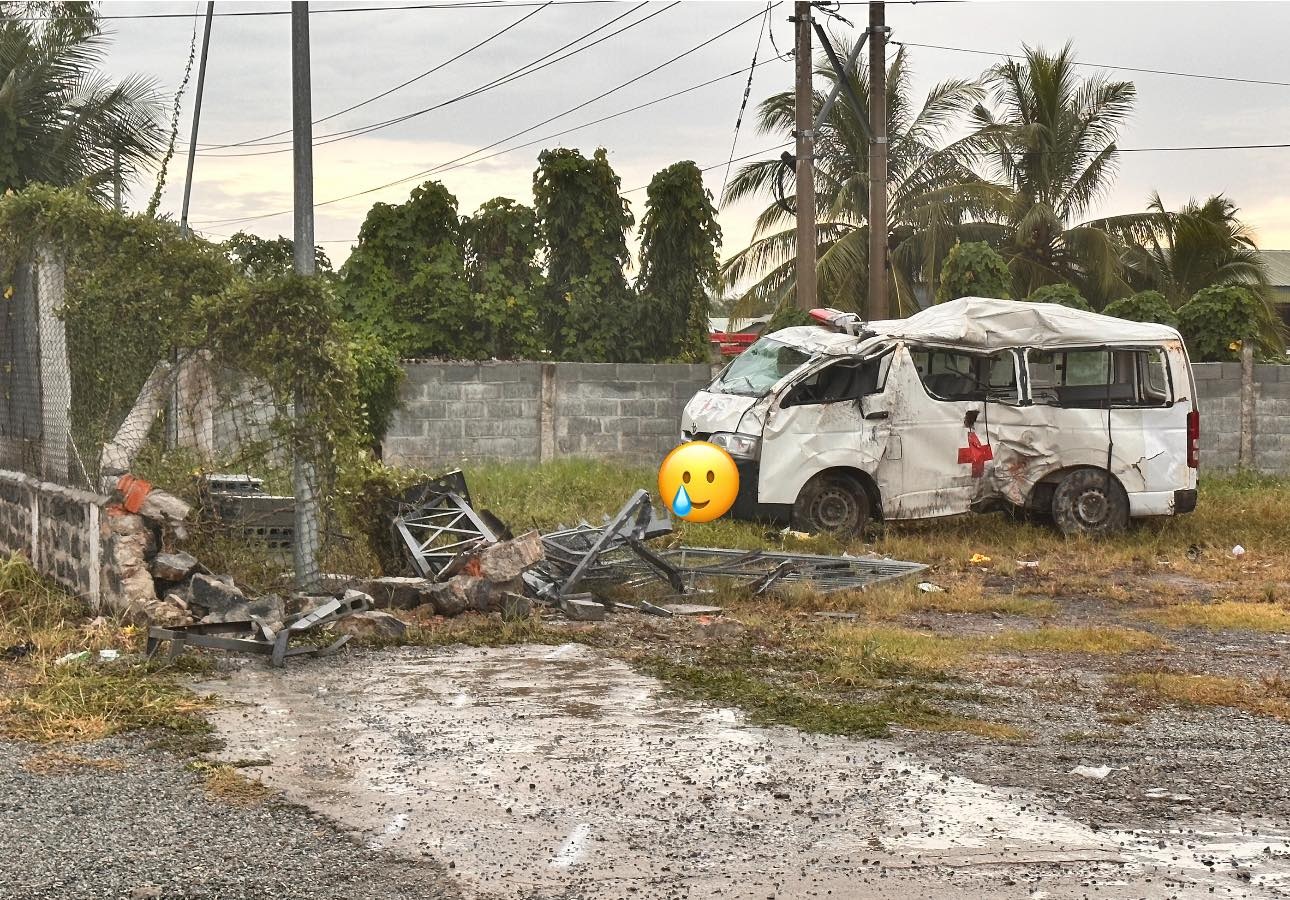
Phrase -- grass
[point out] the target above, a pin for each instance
(1268, 696)
(41, 700)
(1226, 615)
(225, 782)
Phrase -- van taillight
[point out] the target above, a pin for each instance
(1193, 439)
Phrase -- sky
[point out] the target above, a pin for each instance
(357, 55)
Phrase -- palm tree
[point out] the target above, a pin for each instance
(63, 122)
(932, 194)
(1054, 136)
(1178, 253)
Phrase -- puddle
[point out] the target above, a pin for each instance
(556, 772)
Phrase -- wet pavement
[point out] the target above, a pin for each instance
(557, 772)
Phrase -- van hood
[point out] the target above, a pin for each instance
(708, 412)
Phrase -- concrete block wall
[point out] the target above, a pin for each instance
(1218, 391)
(59, 529)
(532, 411)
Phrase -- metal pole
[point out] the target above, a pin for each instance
(878, 307)
(805, 110)
(197, 117)
(306, 543)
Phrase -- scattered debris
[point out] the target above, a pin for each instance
(17, 651)
(1096, 772)
(928, 588)
(1238, 551)
(692, 609)
(979, 559)
(109, 655)
(74, 656)
(1028, 563)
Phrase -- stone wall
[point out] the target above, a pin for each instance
(532, 411)
(61, 530)
(1218, 389)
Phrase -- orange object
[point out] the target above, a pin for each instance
(134, 491)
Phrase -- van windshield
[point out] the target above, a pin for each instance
(755, 371)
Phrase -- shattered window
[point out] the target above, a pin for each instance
(953, 375)
(844, 380)
(757, 369)
(1092, 379)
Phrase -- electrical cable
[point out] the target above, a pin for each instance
(384, 94)
(441, 166)
(527, 69)
(1204, 76)
(743, 105)
(464, 4)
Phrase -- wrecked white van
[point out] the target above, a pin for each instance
(974, 404)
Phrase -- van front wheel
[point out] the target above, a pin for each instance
(1090, 501)
(833, 503)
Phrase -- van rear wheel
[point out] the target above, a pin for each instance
(833, 503)
(1090, 501)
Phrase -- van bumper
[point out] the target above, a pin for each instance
(1184, 501)
(746, 505)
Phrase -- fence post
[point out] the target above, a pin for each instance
(1245, 454)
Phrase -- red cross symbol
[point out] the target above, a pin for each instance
(975, 453)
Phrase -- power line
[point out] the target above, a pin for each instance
(514, 75)
(743, 105)
(451, 163)
(1093, 65)
(465, 4)
(399, 87)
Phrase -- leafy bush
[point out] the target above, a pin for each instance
(974, 270)
(1062, 294)
(787, 316)
(502, 246)
(1144, 306)
(1215, 318)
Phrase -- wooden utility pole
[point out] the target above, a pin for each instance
(805, 108)
(878, 307)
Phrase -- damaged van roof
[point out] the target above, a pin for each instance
(987, 324)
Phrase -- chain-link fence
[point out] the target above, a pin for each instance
(83, 405)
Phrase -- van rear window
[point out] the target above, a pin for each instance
(1092, 379)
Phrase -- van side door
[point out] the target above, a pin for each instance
(946, 408)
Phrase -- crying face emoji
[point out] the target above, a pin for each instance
(698, 481)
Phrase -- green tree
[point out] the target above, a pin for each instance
(405, 280)
(1144, 306)
(974, 270)
(1216, 318)
(62, 121)
(1062, 294)
(588, 312)
(1053, 134)
(934, 196)
(258, 257)
(502, 246)
(680, 239)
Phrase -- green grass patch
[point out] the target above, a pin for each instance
(1227, 615)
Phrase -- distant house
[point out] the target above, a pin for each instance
(1278, 263)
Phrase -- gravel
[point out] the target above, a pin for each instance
(150, 831)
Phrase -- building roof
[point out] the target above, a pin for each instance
(1278, 263)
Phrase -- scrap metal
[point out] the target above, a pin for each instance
(438, 524)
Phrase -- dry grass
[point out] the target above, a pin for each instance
(84, 701)
(1226, 615)
(55, 762)
(1087, 639)
(227, 784)
(1267, 697)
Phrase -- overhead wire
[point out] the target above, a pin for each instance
(520, 133)
(314, 11)
(1141, 69)
(523, 71)
(743, 104)
(447, 62)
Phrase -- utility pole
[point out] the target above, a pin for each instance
(304, 474)
(197, 117)
(878, 307)
(805, 132)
